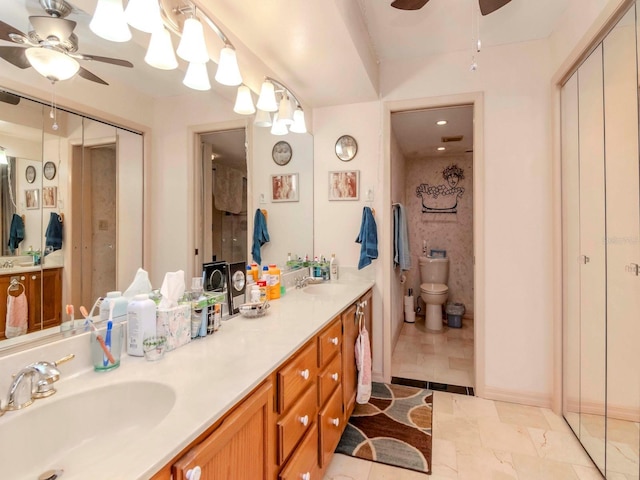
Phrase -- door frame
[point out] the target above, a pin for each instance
(476, 99)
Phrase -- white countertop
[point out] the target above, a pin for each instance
(208, 376)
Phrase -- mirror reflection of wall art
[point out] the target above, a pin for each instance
(346, 148)
(32, 199)
(284, 188)
(49, 197)
(344, 185)
(30, 174)
(281, 153)
(49, 170)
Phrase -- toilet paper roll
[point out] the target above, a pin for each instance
(410, 317)
(408, 303)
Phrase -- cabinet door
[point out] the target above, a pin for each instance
(239, 448)
(51, 297)
(349, 374)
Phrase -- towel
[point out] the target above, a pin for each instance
(227, 189)
(53, 234)
(17, 315)
(368, 238)
(363, 362)
(260, 235)
(401, 252)
(16, 232)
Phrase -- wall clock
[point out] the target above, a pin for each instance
(281, 153)
(346, 148)
(30, 173)
(49, 170)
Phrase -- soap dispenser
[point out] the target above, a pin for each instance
(333, 267)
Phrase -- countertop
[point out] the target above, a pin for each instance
(208, 377)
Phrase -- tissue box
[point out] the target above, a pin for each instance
(176, 325)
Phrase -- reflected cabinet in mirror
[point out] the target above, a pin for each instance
(601, 251)
(71, 215)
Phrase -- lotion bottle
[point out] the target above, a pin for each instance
(333, 267)
(141, 320)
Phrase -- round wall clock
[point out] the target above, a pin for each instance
(346, 148)
(281, 153)
(49, 170)
(30, 173)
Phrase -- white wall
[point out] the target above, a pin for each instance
(398, 195)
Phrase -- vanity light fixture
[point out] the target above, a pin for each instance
(160, 52)
(228, 72)
(144, 15)
(441, 122)
(109, 22)
(52, 64)
(289, 116)
(192, 47)
(299, 125)
(197, 77)
(285, 113)
(278, 127)
(244, 102)
(267, 100)
(263, 119)
(3, 156)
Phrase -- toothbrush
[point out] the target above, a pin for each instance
(95, 305)
(103, 345)
(84, 313)
(68, 325)
(105, 362)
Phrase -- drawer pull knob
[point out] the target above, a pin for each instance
(334, 340)
(194, 474)
(305, 374)
(304, 420)
(305, 476)
(335, 422)
(334, 377)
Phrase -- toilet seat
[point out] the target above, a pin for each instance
(434, 288)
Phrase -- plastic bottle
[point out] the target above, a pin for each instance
(119, 307)
(333, 267)
(141, 322)
(255, 294)
(264, 296)
(274, 282)
(265, 274)
(254, 271)
(196, 314)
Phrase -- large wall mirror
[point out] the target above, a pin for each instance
(71, 213)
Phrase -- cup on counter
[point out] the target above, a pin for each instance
(154, 346)
(99, 358)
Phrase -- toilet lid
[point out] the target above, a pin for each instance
(434, 288)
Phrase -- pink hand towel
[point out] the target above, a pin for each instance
(363, 362)
(17, 315)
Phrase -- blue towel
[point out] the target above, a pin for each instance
(260, 235)
(16, 233)
(367, 238)
(53, 235)
(401, 252)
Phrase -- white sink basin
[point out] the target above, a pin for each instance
(66, 432)
(323, 289)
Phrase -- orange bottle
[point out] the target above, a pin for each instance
(274, 282)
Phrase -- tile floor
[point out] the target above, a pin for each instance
(477, 439)
(443, 357)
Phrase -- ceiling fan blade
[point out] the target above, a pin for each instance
(490, 6)
(97, 58)
(9, 98)
(6, 29)
(47, 27)
(86, 74)
(15, 56)
(409, 4)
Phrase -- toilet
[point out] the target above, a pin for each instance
(434, 273)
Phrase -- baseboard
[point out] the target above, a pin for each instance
(618, 412)
(522, 398)
(377, 377)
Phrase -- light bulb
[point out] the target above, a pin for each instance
(109, 21)
(192, 47)
(244, 102)
(228, 72)
(197, 77)
(267, 99)
(160, 52)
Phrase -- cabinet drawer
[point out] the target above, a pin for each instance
(329, 343)
(295, 423)
(330, 425)
(296, 376)
(304, 464)
(329, 379)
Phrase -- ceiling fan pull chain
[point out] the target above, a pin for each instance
(53, 113)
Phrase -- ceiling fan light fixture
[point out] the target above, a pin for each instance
(278, 127)
(228, 72)
(51, 64)
(263, 119)
(267, 100)
(192, 47)
(109, 22)
(160, 51)
(244, 102)
(144, 15)
(299, 124)
(197, 77)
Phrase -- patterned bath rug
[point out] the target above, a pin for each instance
(393, 428)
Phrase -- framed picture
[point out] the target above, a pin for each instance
(49, 170)
(30, 174)
(281, 153)
(284, 188)
(346, 148)
(32, 199)
(49, 197)
(344, 185)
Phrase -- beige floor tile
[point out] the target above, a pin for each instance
(522, 415)
(497, 435)
(622, 458)
(534, 468)
(344, 467)
(464, 364)
(460, 430)
(588, 472)
(380, 471)
(623, 431)
(563, 447)
(453, 377)
(556, 422)
(474, 407)
(442, 403)
(445, 463)
(475, 462)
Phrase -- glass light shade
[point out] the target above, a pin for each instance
(192, 47)
(285, 112)
(160, 52)
(109, 22)
(244, 102)
(52, 64)
(263, 119)
(3, 157)
(299, 124)
(197, 77)
(143, 15)
(278, 128)
(228, 72)
(267, 99)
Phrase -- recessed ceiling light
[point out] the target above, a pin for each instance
(441, 122)
(441, 149)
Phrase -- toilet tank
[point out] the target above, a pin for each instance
(434, 270)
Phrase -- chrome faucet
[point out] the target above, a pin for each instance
(307, 279)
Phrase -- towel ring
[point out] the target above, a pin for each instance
(15, 285)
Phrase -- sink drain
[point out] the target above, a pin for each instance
(51, 475)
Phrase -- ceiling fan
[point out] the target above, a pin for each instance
(51, 41)
(486, 6)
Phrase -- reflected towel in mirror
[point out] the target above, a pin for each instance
(54, 232)
(16, 232)
(260, 235)
(227, 189)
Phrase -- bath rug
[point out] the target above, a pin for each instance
(394, 428)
